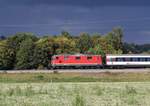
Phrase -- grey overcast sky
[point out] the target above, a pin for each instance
(44, 17)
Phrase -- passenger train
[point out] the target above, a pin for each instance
(97, 61)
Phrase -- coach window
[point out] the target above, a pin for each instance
(127, 59)
(148, 59)
(139, 59)
(134, 59)
(89, 57)
(142, 59)
(78, 58)
(123, 59)
(119, 59)
(131, 59)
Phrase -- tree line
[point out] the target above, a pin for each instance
(27, 51)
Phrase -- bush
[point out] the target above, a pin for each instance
(130, 90)
(79, 101)
(10, 92)
(29, 91)
(40, 77)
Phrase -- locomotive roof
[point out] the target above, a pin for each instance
(76, 55)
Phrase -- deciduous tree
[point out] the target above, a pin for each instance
(24, 56)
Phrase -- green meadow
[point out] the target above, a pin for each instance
(75, 94)
(75, 89)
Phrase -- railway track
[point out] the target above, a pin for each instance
(79, 71)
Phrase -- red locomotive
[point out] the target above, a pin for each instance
(78, 60)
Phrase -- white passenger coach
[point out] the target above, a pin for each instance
(128, 60)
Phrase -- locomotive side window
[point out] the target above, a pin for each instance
(56, 58)
(89, 57)
(66, 57)
(78, 58)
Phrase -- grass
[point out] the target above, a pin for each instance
(75, 94)
(75, 89)
(74, 77)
